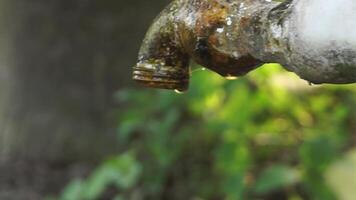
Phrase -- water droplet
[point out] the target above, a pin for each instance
(178, 91)
(235, 54)
(230, 77)
(228, 21)
(199, 69)
(220, 30)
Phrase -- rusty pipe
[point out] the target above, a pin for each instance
(198, 30)
(233, 37)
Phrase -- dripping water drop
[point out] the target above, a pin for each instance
(178, 91)
(230, 77)
(199, 69)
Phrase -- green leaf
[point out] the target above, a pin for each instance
(73, 191)
(275, 177)
(122, 171)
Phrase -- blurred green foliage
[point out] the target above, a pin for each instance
(121, 172)
(268, 135)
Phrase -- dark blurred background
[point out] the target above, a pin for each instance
(73, 126)
(61, 62)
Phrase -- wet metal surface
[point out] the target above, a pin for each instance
(233, 37)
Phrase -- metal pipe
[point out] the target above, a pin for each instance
(233, 37)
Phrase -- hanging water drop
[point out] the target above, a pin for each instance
(178, 91)
(230, 77)
(199, 69)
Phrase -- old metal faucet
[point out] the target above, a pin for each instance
(233, 37)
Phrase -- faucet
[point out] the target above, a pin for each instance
(233, 37)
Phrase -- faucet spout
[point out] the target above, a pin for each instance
(162, 61)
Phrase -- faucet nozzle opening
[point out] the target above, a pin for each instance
(157, 75)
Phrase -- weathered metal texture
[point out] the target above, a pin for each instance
(230, 37)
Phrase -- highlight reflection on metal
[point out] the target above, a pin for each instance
(230, 37)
